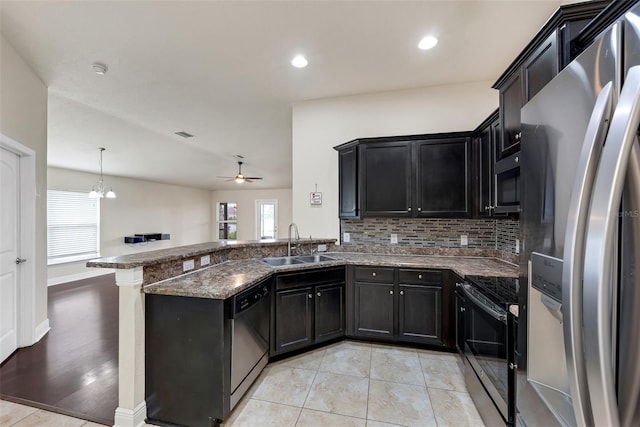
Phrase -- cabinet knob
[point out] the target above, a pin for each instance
(390, 292)
(401, 292)
(409, 209)
(310, 295)
(373, 274)
(462, 309)
(518, 136)
(319, 294)
(419, 276)
(517, 159)
(419, 209)
(488, 208)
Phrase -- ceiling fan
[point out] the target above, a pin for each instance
(239, 178)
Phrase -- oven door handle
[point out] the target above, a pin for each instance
(501, 317)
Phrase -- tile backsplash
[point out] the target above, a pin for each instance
(426, 233)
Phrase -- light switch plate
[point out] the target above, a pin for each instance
(517, 246)
(188, 265)
(322, 248)
(205, 260)
(464, 240)
(346, 237)
(394, 239)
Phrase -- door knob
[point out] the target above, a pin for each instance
(20, 260)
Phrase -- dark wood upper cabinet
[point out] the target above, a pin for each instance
(545, 55)
(540, 67)
(510, 105)
(348, 181)
(443, 177)
(386, 172)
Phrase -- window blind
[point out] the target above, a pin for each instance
(73, 226)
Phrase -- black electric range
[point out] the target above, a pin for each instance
(502, 291)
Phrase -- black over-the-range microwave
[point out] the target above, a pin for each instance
(507, 184)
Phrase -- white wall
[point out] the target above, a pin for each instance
(140, 207)
(23, 118)
(246, 200)
(322, 124)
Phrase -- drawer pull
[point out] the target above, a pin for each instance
(373, 274)
(390, 292)
(419, 276)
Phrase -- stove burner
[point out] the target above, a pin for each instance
(501, 290)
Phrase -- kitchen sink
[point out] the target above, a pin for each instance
(292, 260)
(314, 258)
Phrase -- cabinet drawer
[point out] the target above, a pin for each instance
(314, 277)
(418, 277)
(374, 274)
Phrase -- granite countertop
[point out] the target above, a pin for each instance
(172, 254)
(226, 279)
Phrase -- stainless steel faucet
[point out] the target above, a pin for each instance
(295, 228)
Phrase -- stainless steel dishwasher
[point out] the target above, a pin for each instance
(249, 338)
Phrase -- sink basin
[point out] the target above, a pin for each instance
(292, 260)
(314, 258)
(284, 260)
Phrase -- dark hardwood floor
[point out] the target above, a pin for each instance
(73, 370)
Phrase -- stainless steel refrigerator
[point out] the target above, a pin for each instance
(579, 361)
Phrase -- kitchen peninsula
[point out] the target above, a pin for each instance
(235, 267)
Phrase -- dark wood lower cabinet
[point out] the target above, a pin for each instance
(399, 305)
(294, 317)
(374, 309)
(420, 313)
(308, 308)
(329, 312)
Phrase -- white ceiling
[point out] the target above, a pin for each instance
(221, 70)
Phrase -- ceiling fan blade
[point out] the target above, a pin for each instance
(230, 179)
(252, 177)
(225, 177)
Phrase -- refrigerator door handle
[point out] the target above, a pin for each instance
(574, 252)
(601, 236)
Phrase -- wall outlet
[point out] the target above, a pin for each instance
(346, 237)
(188, 265)
(517, 246)
(205, 260)
(394, 239)
(464, 240)
(322, 248)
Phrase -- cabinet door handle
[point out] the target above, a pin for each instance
(319, 294)
(390, 292)
(373, 274)
(310, 295)
(401, 292)
(419, 276)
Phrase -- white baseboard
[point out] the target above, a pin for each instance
(41, 330)
(131, 418)
(79, 276)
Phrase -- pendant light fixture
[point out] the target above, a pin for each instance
(99, 191)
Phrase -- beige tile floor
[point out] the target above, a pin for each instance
(345, 384)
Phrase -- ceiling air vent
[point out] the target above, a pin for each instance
(184, 134)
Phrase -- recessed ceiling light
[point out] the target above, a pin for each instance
(299, 61)
(99, 68)
(427, 42)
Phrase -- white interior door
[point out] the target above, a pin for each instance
(267, 219)
(9, 251)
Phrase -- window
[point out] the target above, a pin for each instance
(267, 217)
(73, 226)
(227, 221)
